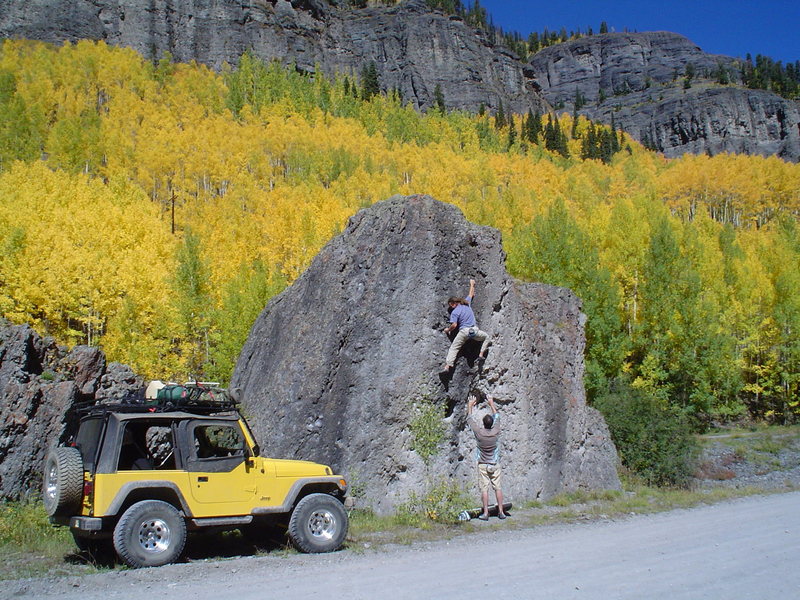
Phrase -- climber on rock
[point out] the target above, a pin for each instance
(463, 319)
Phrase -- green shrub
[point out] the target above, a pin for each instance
(441, 504)
(653, 441)
(427, 428)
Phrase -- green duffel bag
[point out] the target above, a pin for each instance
(172, 393)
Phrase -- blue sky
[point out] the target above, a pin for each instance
(732, 27)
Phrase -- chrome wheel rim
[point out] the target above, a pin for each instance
(322, 524)
(51, 489)
(154, 535)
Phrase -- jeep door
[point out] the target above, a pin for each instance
(217, 464)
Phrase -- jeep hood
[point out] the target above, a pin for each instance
(300, 468)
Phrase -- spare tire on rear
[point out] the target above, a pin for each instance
(62, 488)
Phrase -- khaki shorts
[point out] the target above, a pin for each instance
(488, 474)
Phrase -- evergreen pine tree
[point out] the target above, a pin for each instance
(500, 117)
(534, 45)
(563, 146)
(606, 146)
(574, 132)
(589, 142)
(536, 128)
(512, 131)
(614, 140)
(439, 99)
(550, 141)
(370, 86)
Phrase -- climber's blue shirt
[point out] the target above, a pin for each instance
(462, 315)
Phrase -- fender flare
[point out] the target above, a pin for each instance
(295, 490)
(149, 484)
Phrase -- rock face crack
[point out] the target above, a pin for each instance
(360, 349)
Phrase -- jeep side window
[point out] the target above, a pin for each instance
(160, 446)
(133, 455)
(145, 447)
(218, 441)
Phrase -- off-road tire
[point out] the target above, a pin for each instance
(318, 524)
(62, 488)
(150, 533)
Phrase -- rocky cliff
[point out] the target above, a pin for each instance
(413, 48)
(340, 366)
(638, 80)
(636, 77)
(39, 382)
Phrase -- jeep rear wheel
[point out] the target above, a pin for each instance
(150, 533)
(318, 524)
(62, 488)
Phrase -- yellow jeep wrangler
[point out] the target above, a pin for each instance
(137, 477)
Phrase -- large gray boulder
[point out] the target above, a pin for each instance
(39, 383)
(338, 366)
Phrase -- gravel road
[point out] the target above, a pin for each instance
(744, 549)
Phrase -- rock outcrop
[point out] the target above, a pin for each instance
(39, 382)
(709, 120)
(616, 64)
(637, 79)
(413, 48)
(338, 366)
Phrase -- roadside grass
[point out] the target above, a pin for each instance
(31, 546)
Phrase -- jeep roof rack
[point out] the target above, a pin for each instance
(194, 399)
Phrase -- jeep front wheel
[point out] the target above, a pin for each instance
(150, 533)
(63, 482)
(318, 524)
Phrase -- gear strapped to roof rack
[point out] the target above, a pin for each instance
(192, 398)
